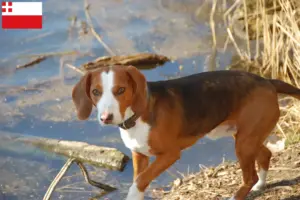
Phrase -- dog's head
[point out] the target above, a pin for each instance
(117, 92)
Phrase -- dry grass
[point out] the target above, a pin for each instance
(277, 51)
(220, 183)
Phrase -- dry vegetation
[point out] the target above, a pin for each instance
(271, 34)
(276, 51)
(222, 181)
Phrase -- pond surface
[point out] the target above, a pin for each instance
(169, 27)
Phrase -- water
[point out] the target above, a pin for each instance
(127, 27)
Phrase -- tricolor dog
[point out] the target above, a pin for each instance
(165, 117)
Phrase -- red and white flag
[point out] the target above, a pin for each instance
(22, 15)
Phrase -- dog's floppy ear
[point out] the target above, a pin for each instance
(139, 102)
(81, 97)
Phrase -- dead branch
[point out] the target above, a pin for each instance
(52, 54)
(77, 152)
(96, 35)
(80, 71)
(105, 157)
(37, 58)
(58, 177)
(85, 173)
(32, 62)
(140, 60)
(212, 65)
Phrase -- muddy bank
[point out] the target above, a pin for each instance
(283, 181)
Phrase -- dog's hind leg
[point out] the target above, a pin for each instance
(246, 156)
(263, 161)
(255, 121)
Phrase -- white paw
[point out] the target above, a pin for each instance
(258, 186)
(134, 193)
(262, 175)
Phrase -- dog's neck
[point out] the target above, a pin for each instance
(131, 121)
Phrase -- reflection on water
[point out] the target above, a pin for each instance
(173, 28)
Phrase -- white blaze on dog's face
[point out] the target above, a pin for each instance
(117, 92)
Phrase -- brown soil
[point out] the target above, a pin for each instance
(221, 182)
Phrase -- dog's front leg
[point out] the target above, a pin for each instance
(160, 164)
(140, 163)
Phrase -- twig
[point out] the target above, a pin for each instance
(96, 35)
(102, 186)
(247, 31)
(288, 34)
(257, 13)
(58, 177)
(236, 3)
(39, 36)
(257, 35)
(65, 168)
(212, 59)
(212, 22)
(75, 68)
(234, 43)
(77, 191)
(33, 62)
(42, 57)
(51, 54)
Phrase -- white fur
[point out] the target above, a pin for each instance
(134, 193)
(232, 198)
(136, 138)
(274, 143)
(108, 102)
(262, 175)
(221, 131)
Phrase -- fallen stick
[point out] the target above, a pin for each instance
(80, 71)
(140, 61)
(58, 177)
(85, 174)
(33, 62)
(109, 158)
(84, 171)
(52, 54)
(77, 152)
(37, 58)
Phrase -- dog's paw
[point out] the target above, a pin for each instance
(258, 186)
(134, 193)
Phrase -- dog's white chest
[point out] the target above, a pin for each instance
(136, 138)
(222, 131)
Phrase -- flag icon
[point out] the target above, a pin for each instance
(22, 15)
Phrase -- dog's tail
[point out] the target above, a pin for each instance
(285, 88)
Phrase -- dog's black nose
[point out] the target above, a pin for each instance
(106, 117)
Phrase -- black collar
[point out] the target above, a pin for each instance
(129, 123)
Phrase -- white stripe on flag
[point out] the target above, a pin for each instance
(24, 8)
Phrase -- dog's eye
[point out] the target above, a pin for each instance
(121, 90)
(96, 92)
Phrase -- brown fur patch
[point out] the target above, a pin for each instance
(122, 79)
